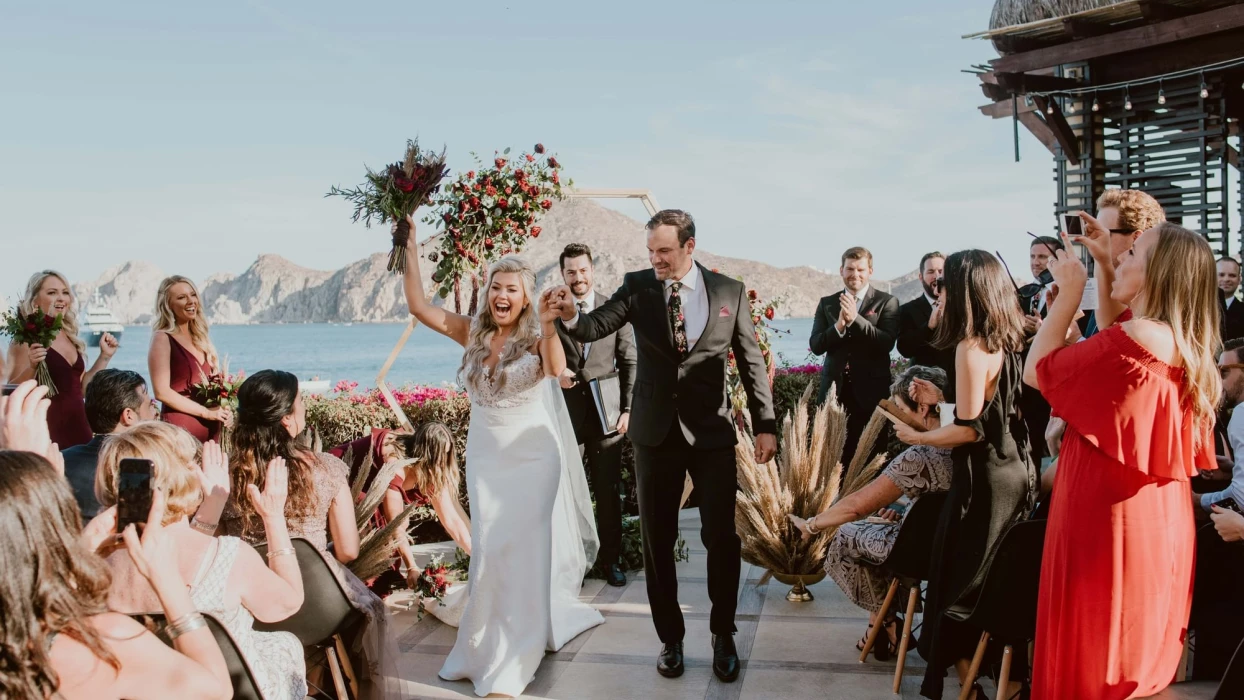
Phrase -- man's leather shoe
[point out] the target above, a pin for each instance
(669, 664)
(615, 576)
(725, 658)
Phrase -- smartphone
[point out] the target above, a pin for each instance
(1073, 225)
(1229, 503)
(8, 389)
(133, 493)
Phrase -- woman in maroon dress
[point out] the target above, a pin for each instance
(49, 292)
(181, 356)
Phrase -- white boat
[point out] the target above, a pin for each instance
(313, 386)
(99, 320)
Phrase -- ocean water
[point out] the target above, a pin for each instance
(336, 352)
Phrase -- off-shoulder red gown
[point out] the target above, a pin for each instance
(184, 371)
(1116, 578)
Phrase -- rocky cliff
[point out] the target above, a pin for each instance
(275, 290)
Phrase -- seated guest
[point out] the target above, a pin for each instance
(1229, 283)
(858, 548)
(226, 576)
(432, 479)
(270, 417)
(115, 400)
(181, 356)
(59, 639)
(919, 317)
(47, 292)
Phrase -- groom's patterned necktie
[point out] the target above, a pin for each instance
(677, 321)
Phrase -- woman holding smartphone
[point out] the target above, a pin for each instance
(994, 483)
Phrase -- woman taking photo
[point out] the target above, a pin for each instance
(994, 483)
(49, 293)
(181, 356)
(60, 641)
(271, 416)
(1139, 400)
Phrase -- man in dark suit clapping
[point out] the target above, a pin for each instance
(919, 317)
(855, 329)
(602, 456)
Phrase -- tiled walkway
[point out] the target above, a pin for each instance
(791, 651)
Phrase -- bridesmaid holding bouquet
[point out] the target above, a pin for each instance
(49, 293)
(181, 356)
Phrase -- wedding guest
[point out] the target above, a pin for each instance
(994, 484)
(1123, 215)
(1033, 407)
(855, 329)
(24, 424)
(602, 455)
(226, 576)
(919, 317)
(859, 547)
(1139, 400)
(432, 479)
(59, 638)
(1229, 283)
(271, 415)
(181, 356)
(115, 400)
(49, 293)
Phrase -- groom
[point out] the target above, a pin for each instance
(686, 321)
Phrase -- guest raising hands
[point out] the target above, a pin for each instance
(181, 356)
(49, 293)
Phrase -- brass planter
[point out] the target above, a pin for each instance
(799, 593)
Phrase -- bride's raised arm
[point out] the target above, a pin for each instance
(552, 354)
(455, 326)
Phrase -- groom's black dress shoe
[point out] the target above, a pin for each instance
(725, 658)
(669, 664)
(615, 576)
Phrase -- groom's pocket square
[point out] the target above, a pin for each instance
(724, 312)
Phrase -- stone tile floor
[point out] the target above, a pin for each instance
(790, 651)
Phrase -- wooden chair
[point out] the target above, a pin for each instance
(240, 674)
(909, 559)
(326, 613)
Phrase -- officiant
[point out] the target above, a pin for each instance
(610, 360)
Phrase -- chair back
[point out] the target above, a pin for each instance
(325, 608)
(912, 553)
(1232, 686)
(240, 674)
(1007, 604)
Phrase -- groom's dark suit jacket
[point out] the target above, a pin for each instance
(691, 390)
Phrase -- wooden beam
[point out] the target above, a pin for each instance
(1002, 108)
(1038, 128)
(1202, 24)
(1175, 56)
(1023, 83)
(1161, 11)
(1053, 116)
(1079, 29)
(995, 92)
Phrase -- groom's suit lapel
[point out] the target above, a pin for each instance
(714, 306)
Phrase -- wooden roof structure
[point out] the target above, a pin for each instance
(1147, 94)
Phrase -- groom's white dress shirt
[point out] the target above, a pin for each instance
(694, 297)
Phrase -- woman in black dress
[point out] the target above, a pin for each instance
(994, 483)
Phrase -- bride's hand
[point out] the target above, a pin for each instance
(550, 305)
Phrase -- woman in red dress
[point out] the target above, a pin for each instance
(1139, 400)
(50, 293)
(181, 356)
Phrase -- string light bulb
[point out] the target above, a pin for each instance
(1127, 100)
(1161, 94)
(1204, 88)
(1050, 108)
(1096, 106)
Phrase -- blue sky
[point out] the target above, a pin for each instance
(199, 135)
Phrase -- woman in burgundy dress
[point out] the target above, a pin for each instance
(181, 356)
(49, 292)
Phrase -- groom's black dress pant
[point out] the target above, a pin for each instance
(660, 473)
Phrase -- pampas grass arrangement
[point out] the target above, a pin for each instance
(805, 479)
(376, 545)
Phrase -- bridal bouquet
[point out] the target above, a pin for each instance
(432, 584)
(489, 212)
(29, 329)
(389, 195)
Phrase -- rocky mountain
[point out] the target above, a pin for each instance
(275, 290)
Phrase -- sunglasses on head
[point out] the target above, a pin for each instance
(1032, 289)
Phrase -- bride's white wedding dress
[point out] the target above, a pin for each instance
(533, 535)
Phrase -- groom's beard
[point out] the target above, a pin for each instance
(580, 290)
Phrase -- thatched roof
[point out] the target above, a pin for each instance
(1043, 21)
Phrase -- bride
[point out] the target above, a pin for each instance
(533, 535)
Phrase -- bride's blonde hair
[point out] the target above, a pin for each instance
(525, 334)
(69, 319)
(165, 320)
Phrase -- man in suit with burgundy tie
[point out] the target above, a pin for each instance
(855, 329)
(687, 319)
(602, 456)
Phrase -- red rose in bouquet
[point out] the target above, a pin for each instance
(31, 329)
(397, 191)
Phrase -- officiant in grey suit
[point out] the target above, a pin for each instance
(687, 319)
(602, 455)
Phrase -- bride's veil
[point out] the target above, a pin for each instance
(575, 543)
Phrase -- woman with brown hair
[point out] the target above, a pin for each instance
(48, 292)
(59, 639)
(181, 356)
(1139, 400)
(994, 483)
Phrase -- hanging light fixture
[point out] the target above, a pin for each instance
(1161, 94)
(1204, 88)
(1096, 106)
(1127, 100)
(1050, 108)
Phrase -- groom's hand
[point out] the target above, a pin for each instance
(565, 305)
(766, 447)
